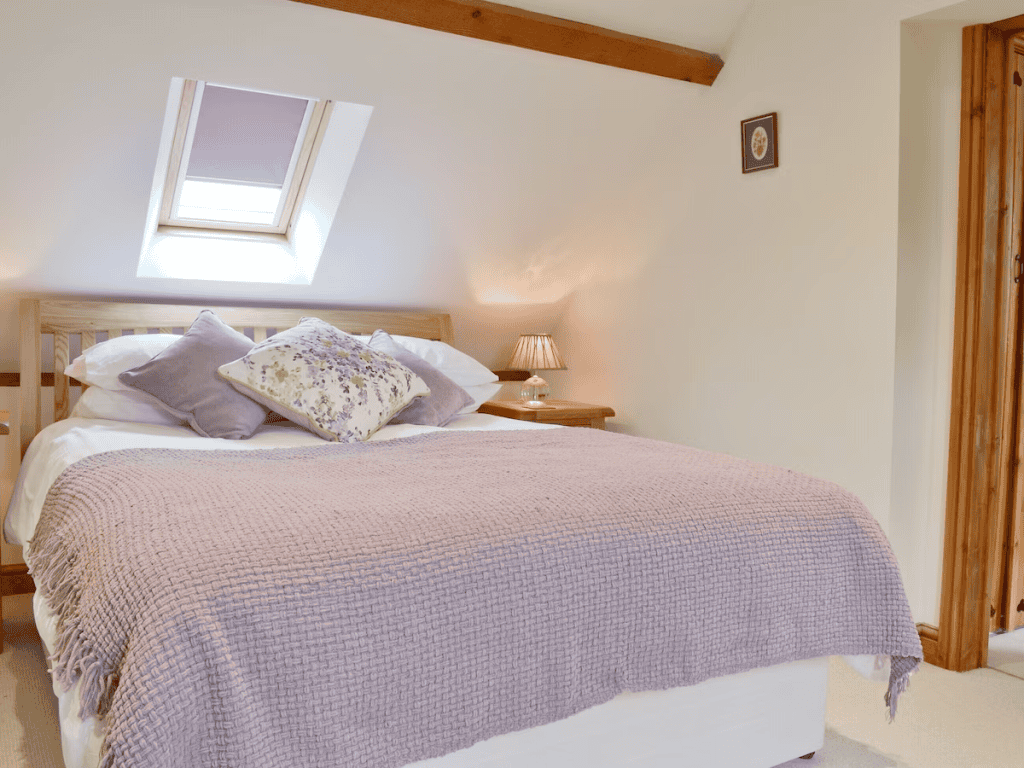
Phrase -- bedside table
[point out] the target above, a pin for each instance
(564, 412)
(14, 578)
(5, 429)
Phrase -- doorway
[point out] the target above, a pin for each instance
(983, 576)
(1006, 563)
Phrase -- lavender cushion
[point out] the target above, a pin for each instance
(184, 380)
(446, 398)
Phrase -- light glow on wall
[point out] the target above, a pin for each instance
(586, 253)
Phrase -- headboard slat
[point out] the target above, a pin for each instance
(88, 339)
(78, 316)
(61, 391)
(30, 360)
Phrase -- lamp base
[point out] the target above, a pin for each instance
(536, 405)
(534, 390)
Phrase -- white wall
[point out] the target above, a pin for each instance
(929, 160)
(803, 316)
(485, 168)
(761, 321)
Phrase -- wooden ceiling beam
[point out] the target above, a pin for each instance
(539, 32)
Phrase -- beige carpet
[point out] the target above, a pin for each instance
(28, 709)
(946, 720)
(1006, 652)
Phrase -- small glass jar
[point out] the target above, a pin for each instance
(534, 390)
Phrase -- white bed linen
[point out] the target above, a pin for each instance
(755, 719)
(60, 445)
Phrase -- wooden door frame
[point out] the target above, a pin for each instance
(981, 445)
(1008, 561)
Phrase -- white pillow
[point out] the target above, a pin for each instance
(100, 364)
(481, 393)
(456, 365)
(473, 376)
(99, 403)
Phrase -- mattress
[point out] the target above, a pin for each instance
(758, 718)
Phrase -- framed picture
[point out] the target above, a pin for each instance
(760, 142)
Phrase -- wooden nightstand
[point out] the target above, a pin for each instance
(563, 412)
(14, 578)
(5, 429)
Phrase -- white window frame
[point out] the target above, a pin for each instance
(304, 155)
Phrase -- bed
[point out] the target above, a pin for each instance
(758, 714)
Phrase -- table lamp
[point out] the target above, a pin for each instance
(536, 352)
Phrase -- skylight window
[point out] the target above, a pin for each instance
(247, 184)
(240, 158)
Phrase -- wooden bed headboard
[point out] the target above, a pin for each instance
(63, 319)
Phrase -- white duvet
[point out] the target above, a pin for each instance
(60, 445)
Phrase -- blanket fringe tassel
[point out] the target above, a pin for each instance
(899, 680)
(74, 655)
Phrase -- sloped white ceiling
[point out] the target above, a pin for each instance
(974, 11)
(478, 161)
(490, 177)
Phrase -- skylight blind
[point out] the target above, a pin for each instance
(245, 137)
(239, 157)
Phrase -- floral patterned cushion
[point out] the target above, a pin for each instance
(325, 380)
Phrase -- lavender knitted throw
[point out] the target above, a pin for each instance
(375, 604)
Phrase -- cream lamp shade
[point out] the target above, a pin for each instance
(536, 352)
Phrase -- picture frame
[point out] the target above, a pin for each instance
(759, 142)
